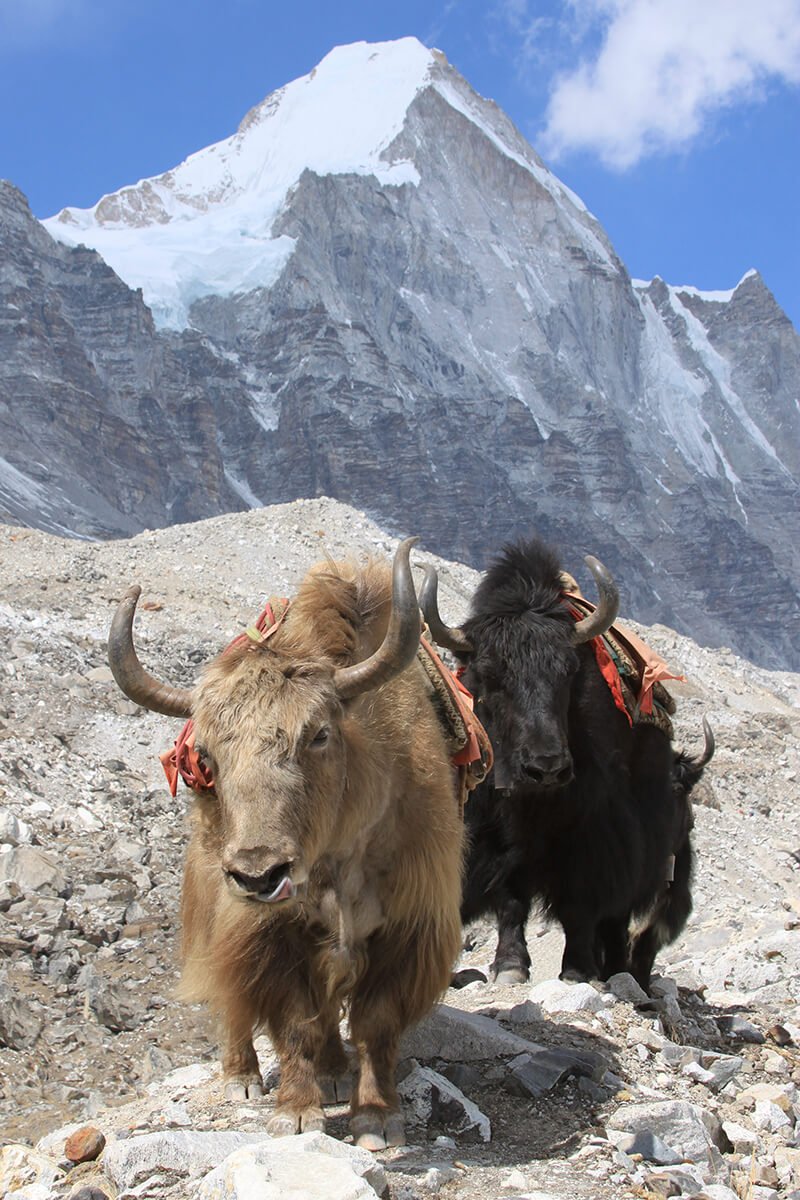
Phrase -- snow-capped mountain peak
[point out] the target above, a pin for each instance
(205, 226)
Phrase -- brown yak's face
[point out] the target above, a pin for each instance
(270, 728)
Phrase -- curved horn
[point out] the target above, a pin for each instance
(402, 637)
(448, 636)
(605, 614)
(129, 673)
(709, 747)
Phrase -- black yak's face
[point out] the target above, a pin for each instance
(522, 673)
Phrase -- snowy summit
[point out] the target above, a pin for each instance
(205, 227)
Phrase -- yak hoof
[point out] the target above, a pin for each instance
(284, 1122)
(460, 979)
(377, 1130)
(336, 1091)
(574, 975)
(511, 975)
(509, 971)
(238, 1090)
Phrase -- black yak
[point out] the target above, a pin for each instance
(586, 810)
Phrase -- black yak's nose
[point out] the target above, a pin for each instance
(270, 886)
(548, 770)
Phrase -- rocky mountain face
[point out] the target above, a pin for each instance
(550, 1090)
(426, 324)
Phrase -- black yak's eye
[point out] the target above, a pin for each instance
(321, 737)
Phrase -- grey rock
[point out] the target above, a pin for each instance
(686, 1128)
(737, 1029)
(33, 870)
(439, 1103)
(131, 1160)
(646, 1143)
(456, 1036)
(19, 1025)
(555, 995)
(625, 987)
(13, 832)
(722, 1068)
(538, 1070)
(114, 1005)
(308, 1165)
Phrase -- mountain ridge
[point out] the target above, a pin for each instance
(461, 352)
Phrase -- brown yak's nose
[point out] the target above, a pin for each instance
(248, 875)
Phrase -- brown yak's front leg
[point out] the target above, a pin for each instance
(376, 1120)
(240, 1070)
(297, 1024)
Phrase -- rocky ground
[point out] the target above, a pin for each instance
(541, 1090)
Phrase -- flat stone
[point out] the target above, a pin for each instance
(719, 1191)
(743, 1140)
(182, 1080)
(455, 1036)
(131, 1160)
(773, 1093)
(310, 1165)
(536, 1071)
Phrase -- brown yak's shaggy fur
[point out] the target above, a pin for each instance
(372, 819)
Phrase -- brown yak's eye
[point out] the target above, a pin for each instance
(321, 737)
(204, 757)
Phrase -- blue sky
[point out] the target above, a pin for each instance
(676, 121)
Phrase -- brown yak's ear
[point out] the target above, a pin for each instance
(129, 673)
(451, 637)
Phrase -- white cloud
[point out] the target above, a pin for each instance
(663, 69)
(31, 24)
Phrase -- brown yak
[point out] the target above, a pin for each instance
(324, 869)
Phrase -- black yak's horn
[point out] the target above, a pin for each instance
(451, 637)
(605, 614)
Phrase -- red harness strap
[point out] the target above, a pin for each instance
(650, 667)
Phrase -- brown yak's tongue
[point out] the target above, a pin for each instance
(284, 891)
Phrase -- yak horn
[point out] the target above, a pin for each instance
(448, 636)
(605, 614)
(709, 747)
(401, 642)
(129, 673)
